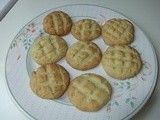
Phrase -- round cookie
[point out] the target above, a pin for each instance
(86, 30)
(49, 49)
(57, 23)
(121, 62)
(89, 92)
(83, 55)
(118, 32)
(49, 81)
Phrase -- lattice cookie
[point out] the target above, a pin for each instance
(49, 81)
(57, 23)
(83, 55)
(49, 49)
(121, 62)
(89, 92)
(118, 31)
(86, 30)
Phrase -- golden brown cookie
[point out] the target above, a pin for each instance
(121, 62)
(86, 30)
(89, 92)
(118, 32)
(49, 81)
(83, 55)
(57, 23)
(49, 49)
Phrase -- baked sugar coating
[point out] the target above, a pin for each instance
(83, 55)
(86, 30)
(89, 92)
(57, 23)
(49, 49)
(121, 62)
(49, 81)
(118, 32)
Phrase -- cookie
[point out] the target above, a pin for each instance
(83, 55)
(49, 49)
(57, 23)
(121, 62)
(118, 32)
(49, 81)
(86, 30)
(89, 92)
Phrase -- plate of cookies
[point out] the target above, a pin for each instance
(81, 62)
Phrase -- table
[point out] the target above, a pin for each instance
(145, 13)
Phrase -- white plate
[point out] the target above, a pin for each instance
(128, 97)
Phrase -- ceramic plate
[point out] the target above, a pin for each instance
(128, 97)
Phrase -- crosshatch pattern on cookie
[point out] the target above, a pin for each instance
(83, 55)
(121, 61)
(48, 49)
(50, 81)
(118, 31)
(89, 92)
(57, 23)
(86, 30)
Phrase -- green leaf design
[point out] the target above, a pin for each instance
(109, 104)
(26, 47)
(128, 87)
(13, 45)
(134, 98)
(127, 100)
(142, 78)
(132, 104)
(128, 83)
(122, 83)
(24, 41)
(121, 87)
(116, 103)
(115, 83)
